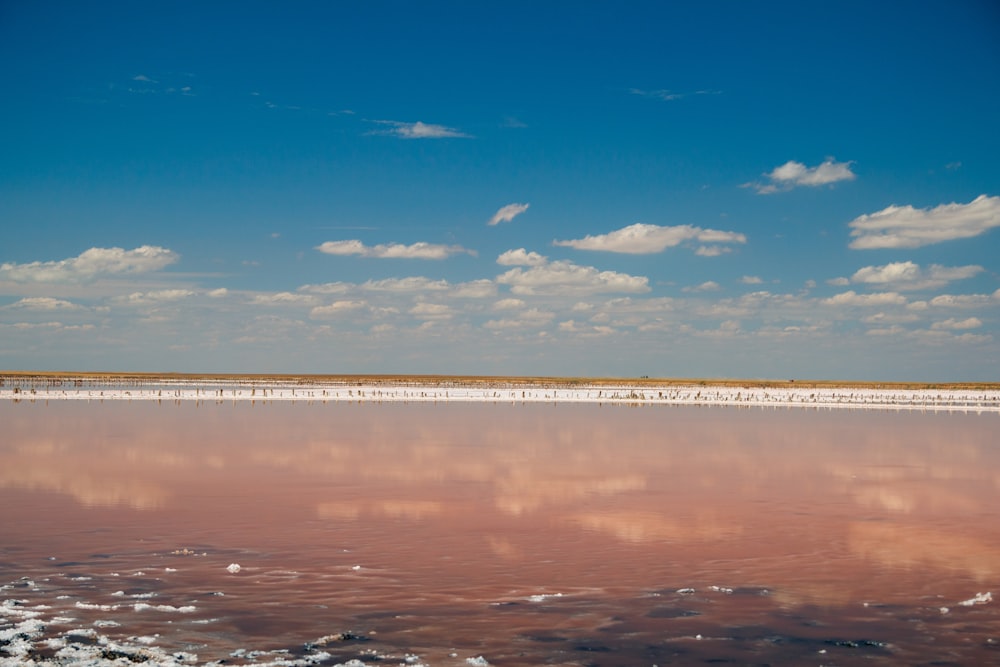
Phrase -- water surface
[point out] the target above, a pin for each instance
(525, 534)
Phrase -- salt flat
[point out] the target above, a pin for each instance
(505, 390)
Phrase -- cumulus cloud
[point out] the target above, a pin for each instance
(44, 303)
(521, 257)
(959, 300)
(508, 304)
(707, 286)
(91, 265)
(327, 288)
(952, 324)
(564, 277)
(908, 227)
(475, 289)
(508, 213)
(794, 174)
(531, 318)
(712, 250)
(418, 130)
(751, 280)
(851, 298)
(431, 311)
(409, 284)
(336, 309)
(909, 276)
(419, 250)
(153, 297)
(644, 239)
(284, 299)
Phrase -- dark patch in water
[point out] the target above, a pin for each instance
(672, 612)
(545, 638)
(592, 649)
(856, 643)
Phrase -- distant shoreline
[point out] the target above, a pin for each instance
(431, 380)
(226, 388)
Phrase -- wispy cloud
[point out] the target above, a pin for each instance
(707, 286)
(408, 284)
(153, 297)
(90, 265)
(531, 318)
(508, 213)
(44, 303)
(908, 227)
(431, 311)
(794, 174)
(419, 250)
(952, 324)
(671, 95)
(147, 85)
(283, 299)
(643, 239)
(418, 130)
(910, 276)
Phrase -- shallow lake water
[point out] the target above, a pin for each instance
(507, 534)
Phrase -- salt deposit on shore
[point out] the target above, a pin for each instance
(222, 391)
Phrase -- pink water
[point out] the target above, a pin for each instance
(525, 534)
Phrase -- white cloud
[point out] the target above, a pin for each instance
(643, 239)
(751, 280)
(521, 257)
(154, 297)
(419, 250)
(283, 298)
(669, 95)
(795, 174)
(908, 227)
(891, 318)
(431, 311)
(851, 298)
(418, 130)
(838, 282)
(44, 303)
(909, 276)
(564, 277)
(475, 289)
(508, 213)
(707, 286)
(336, 308)
(532, 318)
(409, 284)
(508, 304)
(959, 300)
(952, 324)
(218, 293)
(327, 288)
(90, 265)
(712, 250)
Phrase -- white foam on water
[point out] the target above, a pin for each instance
(978, 598)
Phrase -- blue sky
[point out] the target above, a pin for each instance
(717, 189)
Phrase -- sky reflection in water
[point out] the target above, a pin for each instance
(523, 533)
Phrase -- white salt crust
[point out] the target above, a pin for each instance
(952, 400)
